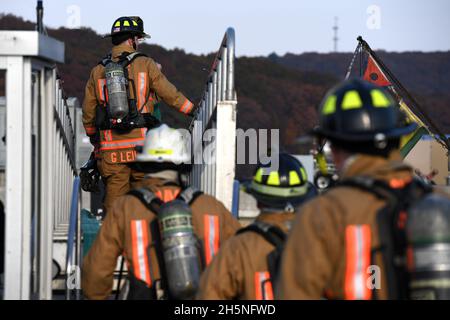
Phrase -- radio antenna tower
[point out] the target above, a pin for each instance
(335, 29)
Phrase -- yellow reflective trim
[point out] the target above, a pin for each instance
(117, 24)
(135, 23)
(329, 106)
(126, 23)
(379, 99)
(304, 176)
(322, 163)
(258, 175)
(294, 178)
(159, 151)
(274, 179)
(351, 100)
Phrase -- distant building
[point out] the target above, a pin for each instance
(427, 156)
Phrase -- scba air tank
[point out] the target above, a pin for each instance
(428, 231)
(181, 250)
(116, 85)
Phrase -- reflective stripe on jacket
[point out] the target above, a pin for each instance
(127, 230)
(148, 81)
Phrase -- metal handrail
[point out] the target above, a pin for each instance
(215, 178)
(73, 234)
(224, 81)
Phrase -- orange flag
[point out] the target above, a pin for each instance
(374, 74)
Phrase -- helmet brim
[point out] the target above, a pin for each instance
(142, 35)
(361, 137)
(268, 201)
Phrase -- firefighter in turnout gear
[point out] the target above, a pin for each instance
(119, 102)
(352, 241)
(141, 225)
(246, 264)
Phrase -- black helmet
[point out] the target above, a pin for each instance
(285, 188)
(357, 111)
(128, 25)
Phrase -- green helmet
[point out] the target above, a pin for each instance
(128, 25)
(284, 188)
(358, 111)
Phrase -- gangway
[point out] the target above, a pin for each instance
(40, 161)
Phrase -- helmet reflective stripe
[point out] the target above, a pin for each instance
(280, 192)
(352, 100)
(135, 23)
(304, 176)
(274, 178)
(330, 105)
(117, 24)
(160, 151)
(379, 99)
(294, 178)
(126, 23)
(258, 175)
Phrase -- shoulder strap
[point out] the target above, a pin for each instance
(377, 187)
(126, 59)
(105, 60)
(415, 189)
(276, 237)
(270, 233)
(148, 198)
(189, 195)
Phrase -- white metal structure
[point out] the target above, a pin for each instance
(40, 162)
(213, 129)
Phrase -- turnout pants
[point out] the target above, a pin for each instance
(119, 178)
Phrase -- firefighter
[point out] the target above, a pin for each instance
(245, 265)
(350, 242)
(131, 227)
(117, 121)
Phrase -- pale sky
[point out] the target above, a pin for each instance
(262, 26)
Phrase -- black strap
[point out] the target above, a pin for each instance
(148, 199)
(124, 59)
(276, 237)
(105, 60)
(383, 190)
(189, 195)
(271, 233)
(152, 202)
